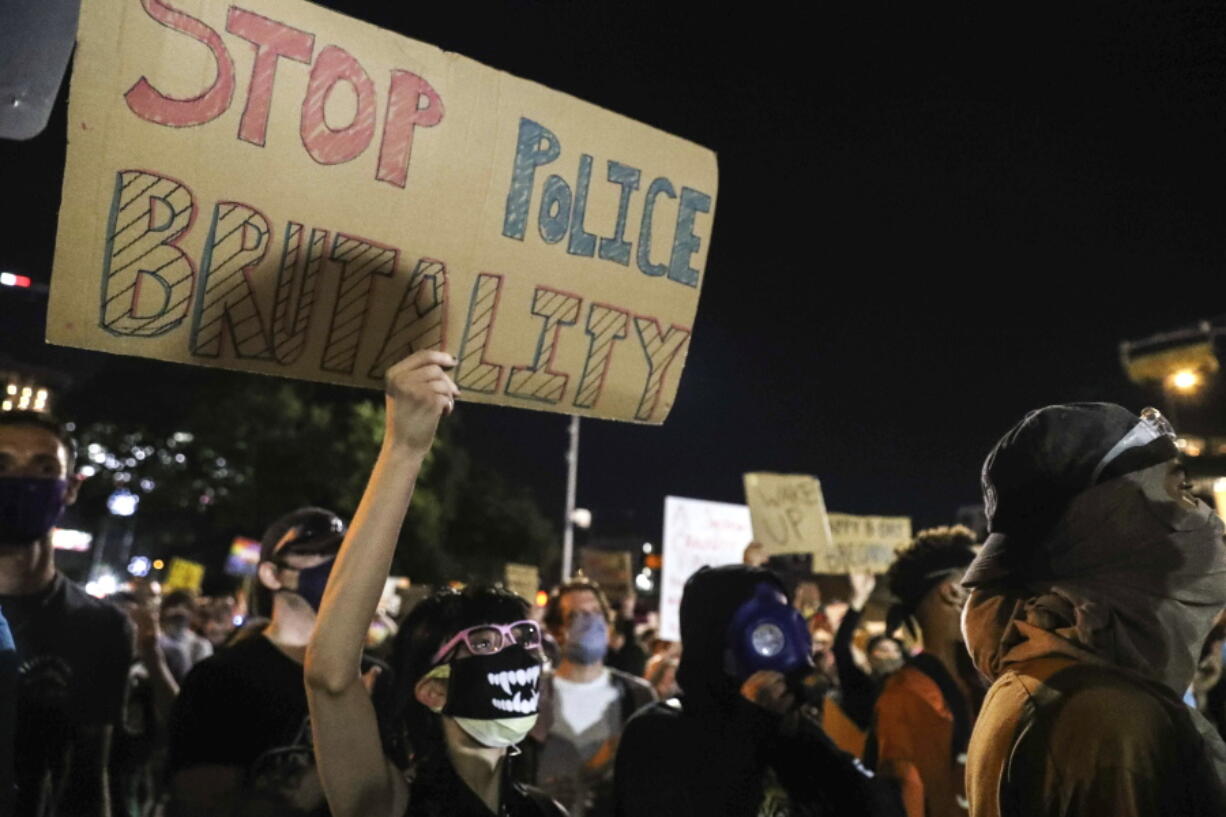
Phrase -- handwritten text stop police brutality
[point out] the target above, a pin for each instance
(202, 269)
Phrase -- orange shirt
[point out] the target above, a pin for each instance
(915, 732)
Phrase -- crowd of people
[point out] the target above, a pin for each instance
(1069, 664)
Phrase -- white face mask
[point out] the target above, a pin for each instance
(496, 733)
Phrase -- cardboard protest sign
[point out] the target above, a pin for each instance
(696, 533)
(184, 574)
(863, 544)
(788, 512)
(273, 187)
(523, 580)
(611, 569)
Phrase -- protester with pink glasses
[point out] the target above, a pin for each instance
(467, 664)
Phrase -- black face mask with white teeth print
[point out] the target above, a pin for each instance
(522, 688)
(488, 687)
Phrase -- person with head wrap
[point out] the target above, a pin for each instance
(923, 715)
(738, 741)
(1100, 579)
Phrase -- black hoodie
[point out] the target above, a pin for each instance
(715, 753)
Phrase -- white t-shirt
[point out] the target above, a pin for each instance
(585, 715)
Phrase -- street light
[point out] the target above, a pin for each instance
(1185, 381)
(572, 479)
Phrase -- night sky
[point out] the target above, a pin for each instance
(930, 220)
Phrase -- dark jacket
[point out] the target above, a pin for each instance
(682, 763)
(715, 753)
(857, 689)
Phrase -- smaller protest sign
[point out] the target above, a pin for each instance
(523, 580)
(697, 533)
(788, 513)
(611, 569)
(244, 556)
(184, 574)
(863, 544)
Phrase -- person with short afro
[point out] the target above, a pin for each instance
(923, 717)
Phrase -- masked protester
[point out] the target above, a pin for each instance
(741, 740)
(468, 665)
(73, 650)
(239, 731)
(1099, 581)
(584, 704)
(182, 646)
(923, 715)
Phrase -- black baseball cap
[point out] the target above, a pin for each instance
(1045, 461)
(306, 530)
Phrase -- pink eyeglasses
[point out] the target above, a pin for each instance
(487, 639)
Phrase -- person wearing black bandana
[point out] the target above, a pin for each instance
(436, 739)
(73, 650)
(1099, 581)
(239, 732)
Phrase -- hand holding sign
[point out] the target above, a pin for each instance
(419, 392)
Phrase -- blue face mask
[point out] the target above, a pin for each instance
(311, 582)
(29, 508)
(587, 638)
(767, 634)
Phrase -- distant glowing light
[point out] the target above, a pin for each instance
(158, 564)
(644, 583)
(542, 598)
(1185, 380)
(66, 539)
(122, 502)
(12, 279)
(102, 586)
(140, 566)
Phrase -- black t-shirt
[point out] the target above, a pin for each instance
(246, 706)
(73, 652)
(437, 791)
(8, 715)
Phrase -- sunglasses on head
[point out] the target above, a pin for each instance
(1151, 425)
(488, 639)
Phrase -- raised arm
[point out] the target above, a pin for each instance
(357, 778)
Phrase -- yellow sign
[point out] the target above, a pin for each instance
(523, 580)
(788, 513)
(611, 569)
(274, 187)
(184, 575)
(863, 544)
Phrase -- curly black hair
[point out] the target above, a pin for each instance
(931, 556)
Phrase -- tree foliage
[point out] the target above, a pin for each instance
(248, 449)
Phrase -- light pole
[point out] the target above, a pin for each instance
(572, 473)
